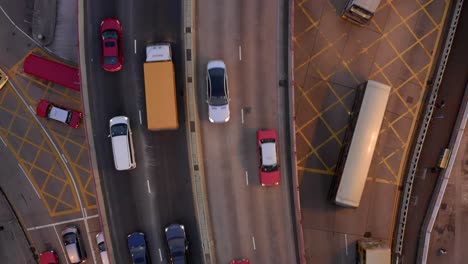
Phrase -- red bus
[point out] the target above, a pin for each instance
(52, 71)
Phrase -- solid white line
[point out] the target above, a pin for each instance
(61, 223)
(134, 45)
(139, 113)
(247, 178)
(64, 158)
(346, 243)
(160, 255)
(3, 141)
(242, 115)
(61, 244)
(149, 189)
(31, 109)
(32, 185)
(240, 52)
(253, 242)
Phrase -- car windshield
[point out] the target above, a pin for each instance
(138, 254)
(110, 34)
(119, 130)
(69, 238)
(218, 92)
(177, 244)
(111, 60)
(102, 247)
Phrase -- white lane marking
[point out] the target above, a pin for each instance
(3, 141)
(253, 242)
(242, 115)
(160, 255)
(59, 239)
(134, 45)
(149, 189)
(31, 109)
(240, 52)
(64, 158)
(61, 223)
(139, 114)
(346, 243)
(247, 178)
(32, 185)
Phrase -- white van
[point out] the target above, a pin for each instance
(360, 11)
(122, 143)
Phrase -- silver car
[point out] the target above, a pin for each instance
(74, 249)
(217, 92)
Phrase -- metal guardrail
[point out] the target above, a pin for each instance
(408, 185)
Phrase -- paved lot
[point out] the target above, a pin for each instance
(333, 56)
(49, 181)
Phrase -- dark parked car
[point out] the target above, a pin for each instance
(177, 243)
(137, 247)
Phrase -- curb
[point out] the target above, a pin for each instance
(195, 158)
(292, 131)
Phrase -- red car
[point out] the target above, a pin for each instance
(111, 35)
(52, 111)
(268, 157)
(49, 257)
(241, 261)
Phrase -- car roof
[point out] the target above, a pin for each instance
(269, 153)
(58, 114)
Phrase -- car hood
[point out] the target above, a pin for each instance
(219, 114)
(270, 178)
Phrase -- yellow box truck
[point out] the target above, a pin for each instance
(160, 88)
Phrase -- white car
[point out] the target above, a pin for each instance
(102, 248)
(217, 92)
(74, 249)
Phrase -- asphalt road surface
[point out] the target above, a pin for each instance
(158, 192)
(248, 221)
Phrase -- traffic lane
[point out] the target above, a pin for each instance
(167, 166)
(104, 92)
(254, 91)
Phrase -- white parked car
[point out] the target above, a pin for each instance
(217, 92)
(102, 248)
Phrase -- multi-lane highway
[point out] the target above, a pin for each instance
(247, 220)
(158, 191)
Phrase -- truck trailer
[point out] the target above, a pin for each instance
(160, 88)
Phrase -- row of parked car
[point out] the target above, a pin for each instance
(74, 250)
(76, 253)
